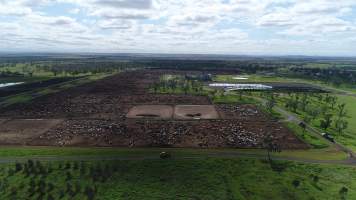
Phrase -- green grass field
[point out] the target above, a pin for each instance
(22, 79)
(265, 79)
(209, 178)
(27, 68)
(323, 154)
(351, 110)
(307, 137)
(350, 136)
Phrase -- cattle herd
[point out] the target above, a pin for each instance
(95, 114)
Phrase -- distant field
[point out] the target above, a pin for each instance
(208, 179)
(22, 79)
(38, 89)
(274, 79)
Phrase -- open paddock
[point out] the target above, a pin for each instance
(177, 112)
(21, 131)
(151, 111)
(189, 112)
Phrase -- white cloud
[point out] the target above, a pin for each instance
(74, 11)
(223, 26)
(13, 8)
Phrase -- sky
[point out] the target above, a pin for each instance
(234, 27)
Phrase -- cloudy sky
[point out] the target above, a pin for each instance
(262, 27)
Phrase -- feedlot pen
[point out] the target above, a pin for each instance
(177, 112)
(120, 111)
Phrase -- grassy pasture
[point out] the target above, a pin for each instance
(209, 178)
(350, 135)
(22, 79)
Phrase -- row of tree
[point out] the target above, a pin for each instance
(177, 84)
(333, 75)
(325, 107)
(40, 187)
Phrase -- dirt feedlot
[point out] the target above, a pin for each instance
(18, 131)
(195, 112)
(177, 112)
(120, 111)
(151, 111)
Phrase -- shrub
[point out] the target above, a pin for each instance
(89, 192)
(296, 183)
(18, 167)
(68, 165)
(69, 176)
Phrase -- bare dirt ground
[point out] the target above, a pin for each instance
(195, 112)
(19, 131)
(95, 114)
(151, 111)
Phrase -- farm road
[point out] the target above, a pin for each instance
(290, 117)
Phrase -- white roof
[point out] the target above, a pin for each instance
(234, 86)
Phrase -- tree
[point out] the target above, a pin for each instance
(341, 125)
(325, 123)
(82, 168)
(32, 188)
(68, 176)
(292, 103)
(307, 119)
(42, 186)
(271, 146)
(90, 192)
(313, 112)
(240, 93)
(303, 126)
(296, 183)
(333, 101)
(69, 189)
(343, 192)
(30, 163)
(18, 167)
(271, 102)
(50, 197)
(341, 110)
(68, 165)
(61, 194)
(304, 101)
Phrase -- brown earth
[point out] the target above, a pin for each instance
(195, 112)
(95, 114)
(20, 131)
(151, 111)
